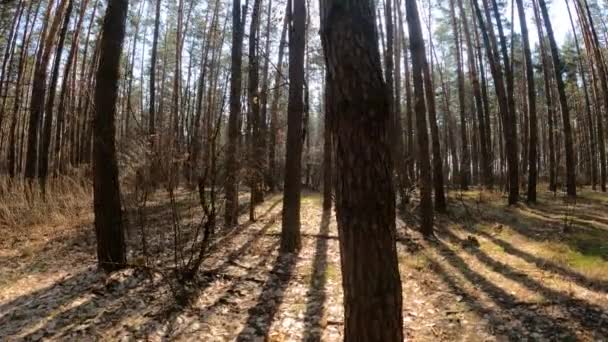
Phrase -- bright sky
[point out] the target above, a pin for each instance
(559, 21)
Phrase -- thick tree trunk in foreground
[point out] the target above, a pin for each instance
(290, 236)
(365, 199)
(109, 229)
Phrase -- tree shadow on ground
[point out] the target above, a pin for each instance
(536, 223)
(316, 296)
(509, 307)
(261, 315)
(542, 263)
(83, 304)
(574, 310)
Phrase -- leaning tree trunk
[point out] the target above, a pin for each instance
(365, 199)
(592, 140)
(109, 227)
(490, 44)
(39, 88)
(43, 163)
(563, 101)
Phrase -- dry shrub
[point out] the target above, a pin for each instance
(23, 205)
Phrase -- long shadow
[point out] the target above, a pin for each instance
(542, 229)
(496, 318)
(544, 264)
(68, 307)
(209, 275)
(532, 318)
(586, 314)
(316, 296)
(261, 315)
(65, 304)
(29, 309)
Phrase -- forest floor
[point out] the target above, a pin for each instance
(527, 272)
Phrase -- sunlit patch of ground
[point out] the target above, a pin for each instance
(536, 272)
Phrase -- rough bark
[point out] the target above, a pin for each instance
(365, 202)
(290, 235)
(109, 226)
(230, 185)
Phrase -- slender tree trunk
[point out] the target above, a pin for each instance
(274, 109)
(231, 181)
(365, 203)
(410, 155)
(497, 73)
(418, 65)
(109, 227)
(21, 70)
(533, 142)
(485, 147)
(563, 100)
(43, 163)
(39, 88)
(61, 108)
(264, 101)
(255, 169)
(465, 160)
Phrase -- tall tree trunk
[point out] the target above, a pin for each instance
(419, 65)
(109, 226)
(61, 108)
(43, 163)
(39, 87)
(592, 140)
(231, 181)
(290, 236)
(485, 147)
(264, 101)
(549, 102)
(563, 100)
(465, 160)
(410, 154)
(274, 108)
(253, 92)
(530, 87)
(21, 69)
(497, 73)
(365, 203)
(153, 53)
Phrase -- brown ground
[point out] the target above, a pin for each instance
(537, 273)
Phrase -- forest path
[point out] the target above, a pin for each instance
(537, 273)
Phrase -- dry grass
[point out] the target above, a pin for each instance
(22, 205)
